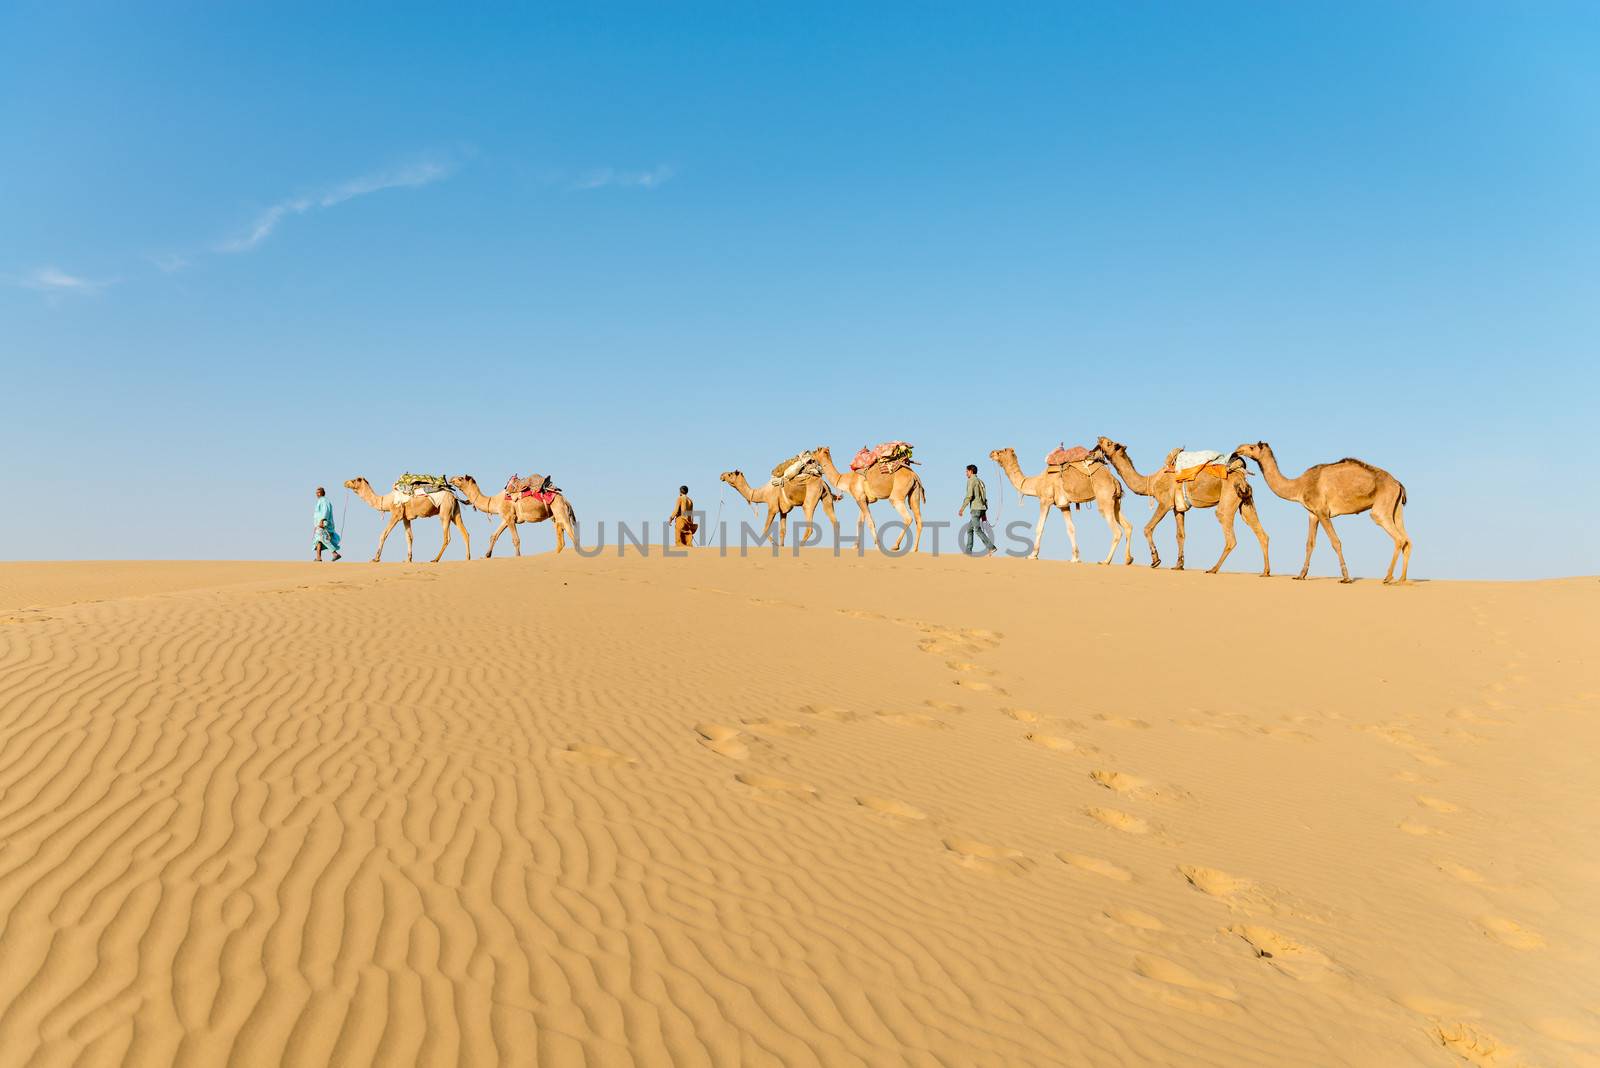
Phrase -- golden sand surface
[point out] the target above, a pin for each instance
(793, 811)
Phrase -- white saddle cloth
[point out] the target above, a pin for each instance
(1194, 458)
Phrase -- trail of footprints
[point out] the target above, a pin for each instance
(1243, 898)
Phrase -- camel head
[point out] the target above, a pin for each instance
(1252, 452)
(730, 476)
(1108, 447)
(463, 482)
(1001, 455)
(356, 483)
(821, 452)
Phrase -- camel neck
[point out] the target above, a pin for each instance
(1124, 464)
(1287, 488)
(1008, 463)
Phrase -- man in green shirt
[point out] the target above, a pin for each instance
(977, 499)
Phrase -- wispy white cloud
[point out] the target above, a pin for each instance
(411, 177)
(55, 280)
(168, 262)
(610, 177)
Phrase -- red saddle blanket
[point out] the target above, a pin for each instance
(1064, 455)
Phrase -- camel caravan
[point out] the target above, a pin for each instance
(1072, 478)
(524, 500)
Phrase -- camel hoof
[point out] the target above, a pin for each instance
(1211, 571)
(1299, 578)
(1346, 581)
(1177, 567)
(1265, 574)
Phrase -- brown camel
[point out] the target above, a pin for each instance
(403, 509)
(801, 493)
(1066, 488)
(1347, 487)
(523, 510)
(903, 489)
(1229, 496)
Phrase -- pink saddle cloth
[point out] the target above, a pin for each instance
(1064, 455)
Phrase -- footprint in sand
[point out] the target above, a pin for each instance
(1284, 953)
(991, 860)
(944, 706)
(772, 786)
(1118, 821)
(939, 647)
(1022, 715)
(1134, 918)
(1459, 871)
(1213, 882)
(1099, 867)
(913, 719)
(599, 755)
(1437, 805)
(785, 727)
(965, 666)
(722, 740)
(1174, 974)
(1051, 741)
(1419, 830)
(1122, 721)
(833, 712)
(1474, 1046)
(1122, 783)
(886, 806)
(1510, 933)
(979, 686)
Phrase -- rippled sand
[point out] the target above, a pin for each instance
(798, 811)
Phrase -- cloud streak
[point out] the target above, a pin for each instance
(411, 177)
(610, 177)
(55, 280)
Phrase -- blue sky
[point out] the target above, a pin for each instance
(245, 251)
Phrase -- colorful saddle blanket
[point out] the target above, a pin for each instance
(1063, 455)
(532, 486)
(890, 454)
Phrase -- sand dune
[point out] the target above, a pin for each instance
(793, 811)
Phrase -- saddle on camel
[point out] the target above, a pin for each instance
(888, 458)
(1186, 465)
(801, 465)
(1079, 457)
(532, 486)
(436, 487)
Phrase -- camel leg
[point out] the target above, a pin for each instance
(1177, 517)
(1311, 543)
(1072, 531)
(393, 519)
(1327, 524)
(1109, 512)
(505, 521)
(1127, 531)
(1248, 510)
(905, 515)
(444, 542)
(410, 542)
(1150, 533)
(1395, 528)
(866, 517)
(466, 538)
(1226, 509)
(1038, 528)
(914, 502)
(516, 535)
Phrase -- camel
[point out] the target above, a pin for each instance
(405, 509)
(1228, 496)
(801, 493)
(903, 489)
(523, 510)
(1346, 487)
(1066, 488)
